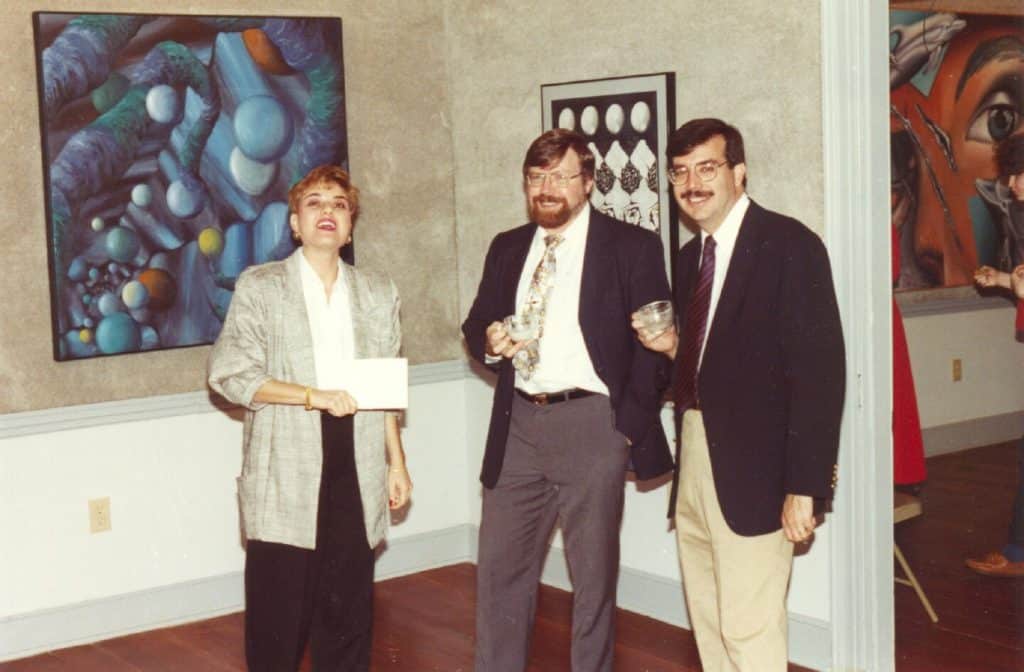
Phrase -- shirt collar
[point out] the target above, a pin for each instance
(311, 279)
(729, 231)
(576, 230)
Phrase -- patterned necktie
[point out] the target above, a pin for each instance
(541, 284)
(693, 333)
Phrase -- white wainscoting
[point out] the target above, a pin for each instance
(174, 554)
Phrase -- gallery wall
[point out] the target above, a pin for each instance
(755, 64)
(400, 155)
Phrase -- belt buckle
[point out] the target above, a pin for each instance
(540, 399)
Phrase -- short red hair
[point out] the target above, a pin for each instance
(325, 174)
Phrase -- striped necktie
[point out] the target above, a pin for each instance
(693, 334)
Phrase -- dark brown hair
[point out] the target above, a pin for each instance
(698, 131)
(325, 174)
(552, 145)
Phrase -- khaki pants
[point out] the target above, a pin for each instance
(735, 585)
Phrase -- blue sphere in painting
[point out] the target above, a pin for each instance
(122, 244)
(118, 333)
(78, 269)
(142, 195)
(162, 104)
(150, 339)
(183, 201)
(109, 304)
(134, 294)
(263, 129)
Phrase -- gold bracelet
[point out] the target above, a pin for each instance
(309, 401)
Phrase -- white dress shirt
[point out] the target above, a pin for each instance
(564, 361)
(330, 323)
(725, 242)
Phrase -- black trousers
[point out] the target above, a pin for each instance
(324, 595)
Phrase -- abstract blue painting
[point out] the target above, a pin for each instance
(169, 145)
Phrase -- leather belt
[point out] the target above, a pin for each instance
(545, 398)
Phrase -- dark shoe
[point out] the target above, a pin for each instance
(996, 564)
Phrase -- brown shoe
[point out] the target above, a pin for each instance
(996, 564)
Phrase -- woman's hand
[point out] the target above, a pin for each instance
(399, 486)
(338, 403)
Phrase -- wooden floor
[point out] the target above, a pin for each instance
(424, 622)
(966, 503)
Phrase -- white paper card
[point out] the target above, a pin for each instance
(378, 383)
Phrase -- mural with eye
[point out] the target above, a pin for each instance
(956, 92)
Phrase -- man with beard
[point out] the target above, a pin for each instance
(758, 391)
(572, 404)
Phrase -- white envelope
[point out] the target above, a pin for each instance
(378, 383)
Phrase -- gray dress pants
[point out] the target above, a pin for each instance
(564, 462)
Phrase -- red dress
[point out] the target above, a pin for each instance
(907, 444)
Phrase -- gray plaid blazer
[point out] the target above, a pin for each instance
(266, 336)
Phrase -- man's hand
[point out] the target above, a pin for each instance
(499, 344)
(798, 517)
(986, 276)
(666, 342)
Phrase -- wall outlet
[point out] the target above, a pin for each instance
(99, 515)
(958, 370)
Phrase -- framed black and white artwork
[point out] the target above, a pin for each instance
(626, 121)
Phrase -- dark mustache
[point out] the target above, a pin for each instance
(696, 192)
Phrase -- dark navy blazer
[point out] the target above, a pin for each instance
(623, 269)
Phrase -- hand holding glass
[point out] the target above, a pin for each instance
(655, 318)
(522, 327)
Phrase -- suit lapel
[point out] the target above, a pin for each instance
(741, 267)
(296, 321)
(596, 269)
(516, 253)
(359, 305)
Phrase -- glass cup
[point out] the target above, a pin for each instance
(522, 327)
(655, 318)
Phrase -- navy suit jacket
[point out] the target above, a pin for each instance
(623, 269)
(772, 380)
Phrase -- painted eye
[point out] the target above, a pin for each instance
(998, 117)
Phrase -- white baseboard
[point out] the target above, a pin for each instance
(641, 592)
(46, 630)
(958, 436)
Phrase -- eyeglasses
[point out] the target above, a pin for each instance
(536, 180)
(705, 170)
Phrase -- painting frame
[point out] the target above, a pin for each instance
(635, 109)
(169, 144)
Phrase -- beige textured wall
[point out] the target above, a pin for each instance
(443, 98)
(755, 64)
(400, 154)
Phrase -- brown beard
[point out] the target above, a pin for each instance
(550, 220)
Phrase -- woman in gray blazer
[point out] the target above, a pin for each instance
(316, 470)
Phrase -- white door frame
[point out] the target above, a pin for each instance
(855, 128)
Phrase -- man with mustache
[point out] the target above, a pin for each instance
(572, 404)
(758, 389)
